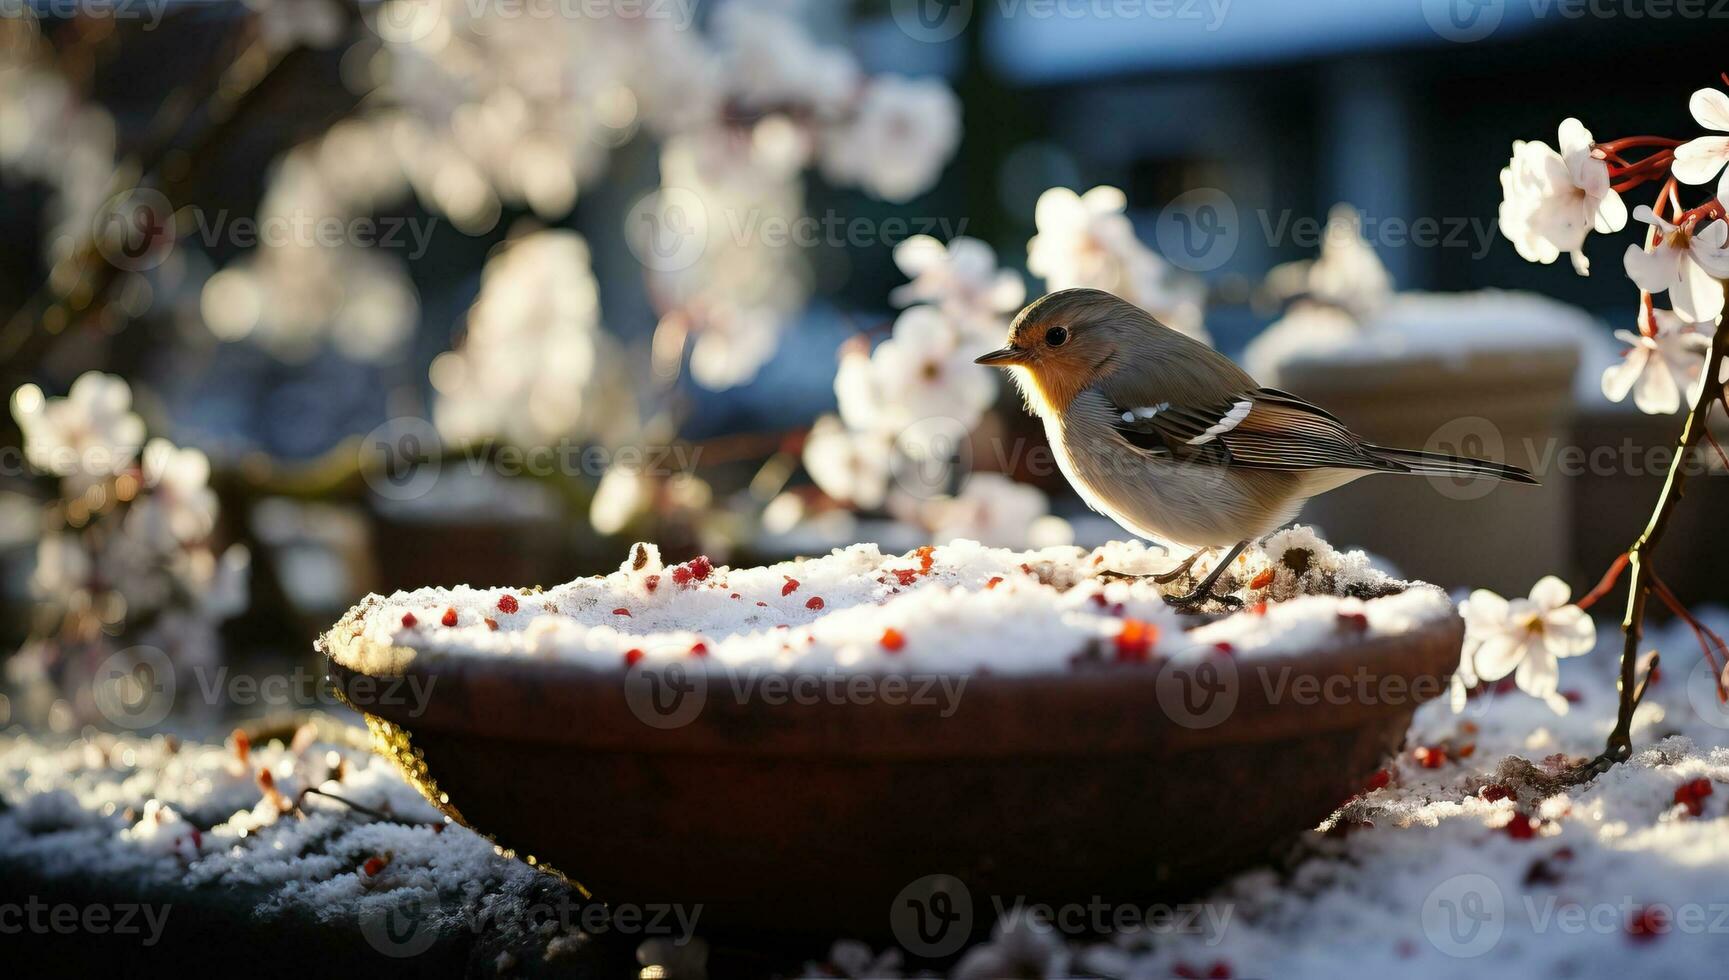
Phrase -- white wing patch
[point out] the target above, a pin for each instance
(1239, 411)
(1145, 413)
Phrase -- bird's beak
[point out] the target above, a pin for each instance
(1007, 357)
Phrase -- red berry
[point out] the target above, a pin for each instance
(790, 587)
(1523, 827)
(814, 602)
(893, 640)
(1647, 924)
(1259, 608)
(652, 582)
(927, 557)
(700, 567)
(995, 581)
(699, 649)
(905, 575)
(1262, 580)
(507, 603)
(761, 603)
(1353, 622)
(1692, 795)
(1135, 641)
(449, 616)
(631, 656)
(1098, 599)
(408, 621)
(491, 624)
(1380, 779)
(373, 866)
(1224, 648)
(621, 611)
(681, 575)
(1493, 792)
(1430, 756)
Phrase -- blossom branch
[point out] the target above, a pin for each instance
(1639, 559)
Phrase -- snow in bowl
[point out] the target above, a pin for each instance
(998, 724)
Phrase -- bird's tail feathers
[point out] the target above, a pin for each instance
(1461, 467)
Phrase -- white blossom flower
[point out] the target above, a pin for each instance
(85, 437)
(180, 507)
(1654, 368)
(852, 467)
(1698, 160)
(1087, 240)
(1526, 637)
(1550, 201)
(1687, 263)
(923, 371)
(962, 279)
(998, 512)
(1020, 946)
(902, 132)
(1348, 274)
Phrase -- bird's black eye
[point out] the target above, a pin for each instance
(1057, 336)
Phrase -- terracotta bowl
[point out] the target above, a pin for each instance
(1120, 783)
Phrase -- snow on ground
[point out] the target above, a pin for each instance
(1435, 874)
(954, 607)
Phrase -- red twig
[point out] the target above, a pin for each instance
(1608, 581)
(1706, 636)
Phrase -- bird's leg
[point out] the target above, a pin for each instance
(1203, 592)
(1166, 578)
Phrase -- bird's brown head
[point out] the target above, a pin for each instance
(1062, 342)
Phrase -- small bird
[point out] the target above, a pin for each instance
(1173, 441)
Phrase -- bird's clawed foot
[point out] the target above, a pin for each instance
(1203, 593)
(1191, 602)
(1182, 569)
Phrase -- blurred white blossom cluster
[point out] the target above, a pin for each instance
(126, 556)
(1552, 200)
(1088, 240)
(907, 409)
(533, 365)
(475, 108)
(50, 136)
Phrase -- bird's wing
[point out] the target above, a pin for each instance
(1261, 429)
